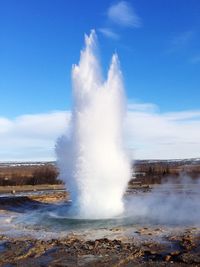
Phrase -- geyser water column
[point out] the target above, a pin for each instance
(92, 159)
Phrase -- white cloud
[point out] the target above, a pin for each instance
(5, 125)
(149, 134)
(31, 137)
(123, 14)
(152, 134)
(109, 33)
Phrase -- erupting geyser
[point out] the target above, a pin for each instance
(92, 159)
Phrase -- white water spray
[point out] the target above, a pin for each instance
(92, 159)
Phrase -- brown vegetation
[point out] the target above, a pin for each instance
(28, 175)
(145, 172)
(150, 172)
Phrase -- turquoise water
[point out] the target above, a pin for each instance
(60, 218)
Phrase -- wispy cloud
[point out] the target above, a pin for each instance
(109, 33)
(195, 59)
(183, 38)
(181, 41)
(122, 13)
(190, 115)
(143, 107)
(149, 134)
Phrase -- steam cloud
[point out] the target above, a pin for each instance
(173, 203)
(92, 159)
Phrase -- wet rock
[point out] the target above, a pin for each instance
(73, 251)
(175, 253)
(167, 258)
(190, 258)
(152, 255)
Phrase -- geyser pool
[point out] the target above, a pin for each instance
(91, 158)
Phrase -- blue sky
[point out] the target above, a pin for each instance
(158, 43)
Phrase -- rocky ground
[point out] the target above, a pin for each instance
(179, 250)
(133, 246)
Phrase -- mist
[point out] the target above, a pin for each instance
(167, 204)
